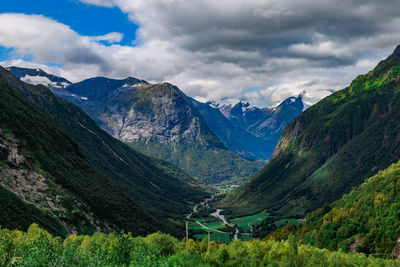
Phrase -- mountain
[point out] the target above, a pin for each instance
(233, 137)
(160, 121)
(365, 220)
(250, 131)
(331, 147)
(59, 169)
(266, 123)
(38, 76)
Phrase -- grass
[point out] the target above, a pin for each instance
(241, 222)
(216, 225)
(244, 222)
(216, 237)
(284, 222)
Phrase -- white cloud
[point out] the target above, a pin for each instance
(111, 38)
(219, 49)
(105, 3)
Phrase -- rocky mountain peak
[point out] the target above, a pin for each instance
(396, 53)
(166, 89)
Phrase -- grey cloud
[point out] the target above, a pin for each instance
(207, 28)
(218, 49)
(82, 55)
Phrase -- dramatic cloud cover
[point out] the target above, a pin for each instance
(260, 50)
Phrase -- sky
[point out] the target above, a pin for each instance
(262, 51)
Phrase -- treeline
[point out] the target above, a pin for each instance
(36, 247)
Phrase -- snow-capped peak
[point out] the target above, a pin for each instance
(214, 104)
(275, 106)
(247, 107)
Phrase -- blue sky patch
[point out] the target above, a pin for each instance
(82, 18)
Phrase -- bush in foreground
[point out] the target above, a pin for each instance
(36, 247)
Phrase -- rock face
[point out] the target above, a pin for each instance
(234, 137)
(266, 123)
(396, 53)
(331, 147)
(133, 110)
(160, 113)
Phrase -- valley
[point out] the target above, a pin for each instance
(90, 159)
(206, 219)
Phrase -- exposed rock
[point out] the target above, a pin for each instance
(396, 53)
(357, 242)
(38, 188)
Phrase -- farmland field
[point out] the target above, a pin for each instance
(247, 221)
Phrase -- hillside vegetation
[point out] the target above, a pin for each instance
(37, 247)
(365, 220)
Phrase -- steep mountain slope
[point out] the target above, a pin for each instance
(331, 147)
(71, 170)
(266, 123)
(15, 214)
(234, 138)
(365, 220)
(249, 131)
(161, 121)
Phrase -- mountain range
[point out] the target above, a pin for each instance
(161, 121)
(257, 129)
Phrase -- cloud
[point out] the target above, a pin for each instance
(105, 3)
(111, 38)
(219, 49)
(46, 40)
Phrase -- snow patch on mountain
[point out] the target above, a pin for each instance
(35, 80)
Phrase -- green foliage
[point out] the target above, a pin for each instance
(167, 244)
(208, 165)
(247, 222)
(14, 213)
(365, 220)
(39, 248)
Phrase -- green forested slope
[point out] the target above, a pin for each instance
(117, 187)
(15, 214)
(331, 147)
(365, 220)
(47, 148)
